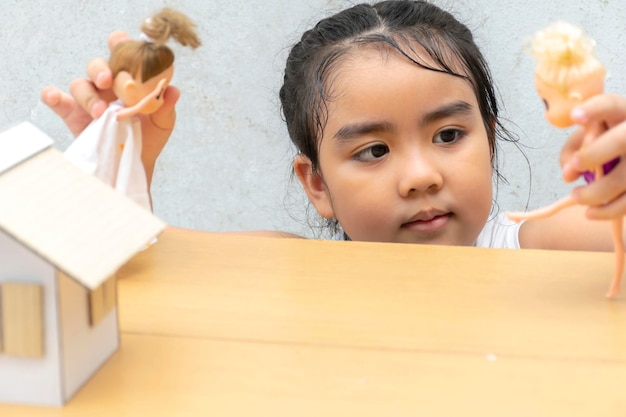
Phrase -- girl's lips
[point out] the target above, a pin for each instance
(432, 225)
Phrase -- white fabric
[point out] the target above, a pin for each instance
(499, 232)
(111, 150)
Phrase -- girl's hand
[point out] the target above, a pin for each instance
(606, 197)
(89, 98)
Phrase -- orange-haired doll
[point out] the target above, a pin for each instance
(110, 147)
(567, 74)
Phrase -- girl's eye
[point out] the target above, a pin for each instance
(449, 136)
(372, 153)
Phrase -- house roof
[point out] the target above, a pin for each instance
(71, 219)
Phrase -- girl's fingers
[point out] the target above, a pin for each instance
(96, 92)
(58, 101)
(605, 193)
(608, 112)
(88, 97)
(608, 211)
(606, 147)
(573, 144)
(66, 107)
(607, 108)
(99, 73)
(117, 37)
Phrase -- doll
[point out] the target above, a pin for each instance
(567, 74)
(110, 147)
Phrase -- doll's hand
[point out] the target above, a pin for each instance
(607, 195)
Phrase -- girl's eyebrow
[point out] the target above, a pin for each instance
(350, 131)
(354, 130)
(456, 108)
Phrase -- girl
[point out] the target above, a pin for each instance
(392, 109)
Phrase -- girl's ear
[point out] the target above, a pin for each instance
(314, 186)
(125, 88)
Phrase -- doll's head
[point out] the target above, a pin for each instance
(567, 71)
(138, 66)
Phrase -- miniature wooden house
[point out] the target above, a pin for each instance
(63, 235)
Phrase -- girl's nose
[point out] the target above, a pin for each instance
(419, 174)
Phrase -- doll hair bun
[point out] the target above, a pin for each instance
(170, 23)
(148, 57)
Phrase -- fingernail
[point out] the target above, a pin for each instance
(49, 98)
(573, 165)
(100, 79)
(579, 116)
(98, 108)
(576, 194)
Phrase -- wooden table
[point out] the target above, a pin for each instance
(223, 325)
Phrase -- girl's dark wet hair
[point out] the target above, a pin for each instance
(399, 25)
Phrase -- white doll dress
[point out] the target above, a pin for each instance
(111, 150)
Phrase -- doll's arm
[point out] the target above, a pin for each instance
(543, 212)
(156, 94)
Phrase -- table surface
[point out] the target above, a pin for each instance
(225, 325)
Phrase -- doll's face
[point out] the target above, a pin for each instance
(132, 91)
(560, 103)
(557, 105)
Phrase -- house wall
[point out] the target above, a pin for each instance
(27, 380)
(85, 348)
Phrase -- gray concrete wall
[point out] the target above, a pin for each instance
(227, 166)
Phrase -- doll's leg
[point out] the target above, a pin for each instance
(543, 212)
(618, 247)
(618, 244)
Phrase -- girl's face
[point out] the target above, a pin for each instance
(404, 156)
